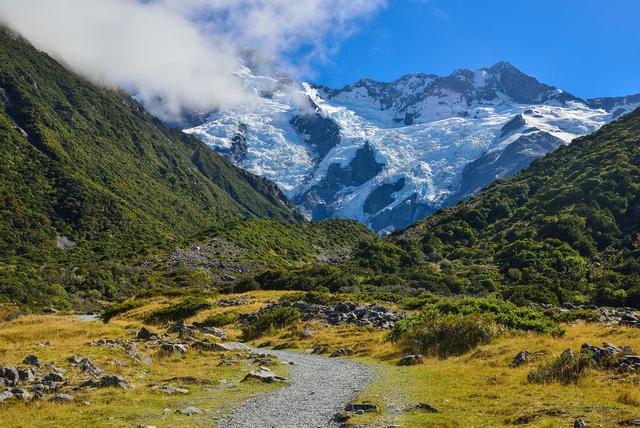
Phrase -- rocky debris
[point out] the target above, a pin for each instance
(362, 407)
(411, 360)
(186, 331)
(321, 348)
(26, 375)
(427, 408)
(341, 313)
(264, 375)
(242, 300)
(53, 377)
(521, 358)
(579, 423)
(10, 375)
(342, 352)
(168, 389)
(606, 351)
(167, 349)
(85, 365)
(145, 334)
(62, 398)
(32, 360)
(263, 359)
(610, 316)
(5, 395)
(189, 411)
(113, 381)
(22, 394)
(222, 346)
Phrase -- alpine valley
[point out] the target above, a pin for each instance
(390, 153)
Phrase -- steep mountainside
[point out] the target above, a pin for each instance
(86, 172)
(565, 228)
(390, 153)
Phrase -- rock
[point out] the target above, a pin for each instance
(22, 394)
(364, 407)
(25, 375)
(89, 383)
(189, 411)
(228, 346)
(113, 381)
(85, 365)
(32, 360)
(307, 333)
(9, 374)
(606, 350)
(53, 377)
(167, 349)
(5, 395)
(264, 375)
(45, 344)
(322, 348)
(342, 352)
(411, 360)
(631, 360)
(579, 423)
(521, 358)
(168, 389)
(62, 398)
(428, 408)
(55, 369)
(145, 334)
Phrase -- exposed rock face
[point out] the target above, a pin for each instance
(361, 168)
(321, 133)
(504, 163)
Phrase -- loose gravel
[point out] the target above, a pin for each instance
(319, 388)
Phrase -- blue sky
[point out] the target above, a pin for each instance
(587, 47)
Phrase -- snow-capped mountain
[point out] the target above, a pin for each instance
(390, 153)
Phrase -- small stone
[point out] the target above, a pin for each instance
(168, 389)
(53, 377)
(5, 396)
(145, 334)
(62, 398)
(22, 393)
(189, 411)
(365, 407)
(342, 352)
(521, 358)
(264, 375)
(32, 360)
(426, 408)
(168, 349)
(113, 381)
(411, 360)
(579, 423)
(26, 375)
(9, 374)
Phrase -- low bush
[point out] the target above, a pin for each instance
(185, 309)
(444, 335)
(568, 368)
(588, 315)
(504, 313)
(119, 308)
(220, 320)
(268, 321)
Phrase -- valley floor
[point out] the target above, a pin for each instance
(479, 388)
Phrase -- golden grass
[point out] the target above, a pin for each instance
(217, 391)
(478, 389)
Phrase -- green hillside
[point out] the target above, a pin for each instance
(86, 174)
(566, 228)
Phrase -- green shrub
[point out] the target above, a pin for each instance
(268, 321)
(443, 335)
(588, 315)
(119, 308)
(220, 320)
(502, 312)
(185, 309)
(568, 368)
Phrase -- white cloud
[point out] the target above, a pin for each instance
(183, 51)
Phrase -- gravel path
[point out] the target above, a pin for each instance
(319, 388)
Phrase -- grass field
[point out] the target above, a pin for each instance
(477, 389)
